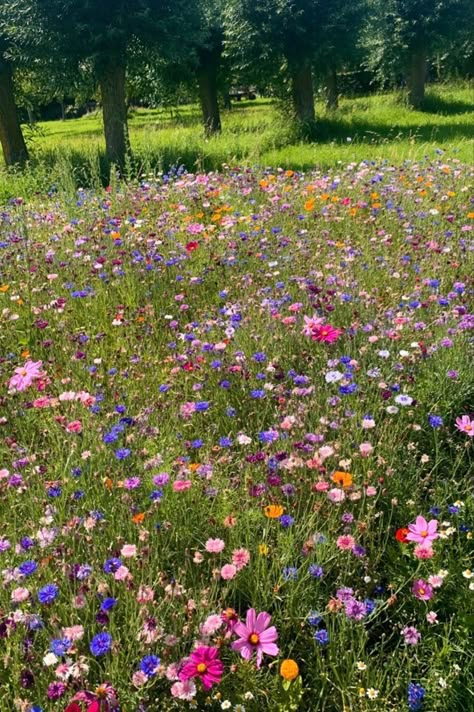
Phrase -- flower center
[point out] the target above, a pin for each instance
(254, 639)
(424, 533)
(421, 591)
(201, 668)
(23, 372)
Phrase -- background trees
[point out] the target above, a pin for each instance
(154, 50)
(11, 136)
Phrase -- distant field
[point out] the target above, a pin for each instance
(257, 133)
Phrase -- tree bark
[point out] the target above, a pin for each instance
(302, 93)
(114, 111)
(207, 80)
(417, 78)
(332, 96)
(11, 137)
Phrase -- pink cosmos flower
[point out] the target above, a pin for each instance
(74, 427)
(184, 690)
(181, 485)
(211, 625)
(255, 636)
(324, 333)
(423, 532)
(240, 558)
(228, 572)
(214, 546)
(465, 425)
(204, 663)
(411, 635)
(25, 375)
(128, 550)
(346, 542)
(422, 590)
(423, 551)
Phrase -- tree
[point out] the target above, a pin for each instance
(101, 33)
(407, 33)
(11, 136)
(274, 35)
(340, 26)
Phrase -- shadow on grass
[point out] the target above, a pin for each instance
(438, 105)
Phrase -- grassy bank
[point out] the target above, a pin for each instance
(257, 133)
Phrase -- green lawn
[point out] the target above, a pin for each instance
(257, 133)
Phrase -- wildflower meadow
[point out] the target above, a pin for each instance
(236, 442)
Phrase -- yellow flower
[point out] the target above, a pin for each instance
(289, 669)
(361, 691)
(263, 549)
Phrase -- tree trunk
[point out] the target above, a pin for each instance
(302, 93)
(114, 111)
(11, 137)
(332, 97)
(207, 80)
(416, 78)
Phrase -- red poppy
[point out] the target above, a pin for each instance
(401, 535)
(191, 246)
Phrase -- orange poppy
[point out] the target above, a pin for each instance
(344, 479)
(273, 511)
(138, 518)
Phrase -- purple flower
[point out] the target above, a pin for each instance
(411, 635)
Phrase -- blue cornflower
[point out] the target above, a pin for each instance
(48, 593)
(122, 453)
(83, 572)
(111, 565)
(314, 618)
(322, 636)
(290, 573)
(316, 571)
(225, 442)
(54, 491)
(435, 421)
(286, 520)
(100, 644)
(156, 495)
(60, 646)
(259, 357)
(416, 694)
(27, 568)
(27, 543)
(196, 444)
(230, 412)
(257, 393)
(148, 665)
(107, 604)
(202, 406)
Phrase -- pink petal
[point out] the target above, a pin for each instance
(241, 630)
(270, 649)
(269, 635)
(263, 619)
(251, 619)
(421, 523)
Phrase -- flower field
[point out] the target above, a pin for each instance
(236, 442)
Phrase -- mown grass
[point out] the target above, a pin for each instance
(376, 127)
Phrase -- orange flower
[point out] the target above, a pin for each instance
(4, 288)
(273, 511)
(342, 478)
(289, 669)
(309, 205)
(138, 518)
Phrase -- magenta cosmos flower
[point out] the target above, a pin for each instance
(25, 375)
(203, 663)
(465, 425)
(255, 636)
(423, 532)
(422, 590)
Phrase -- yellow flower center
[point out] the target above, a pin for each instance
(424, 533)
(254, 639)
(202, 667)
(421, 591)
